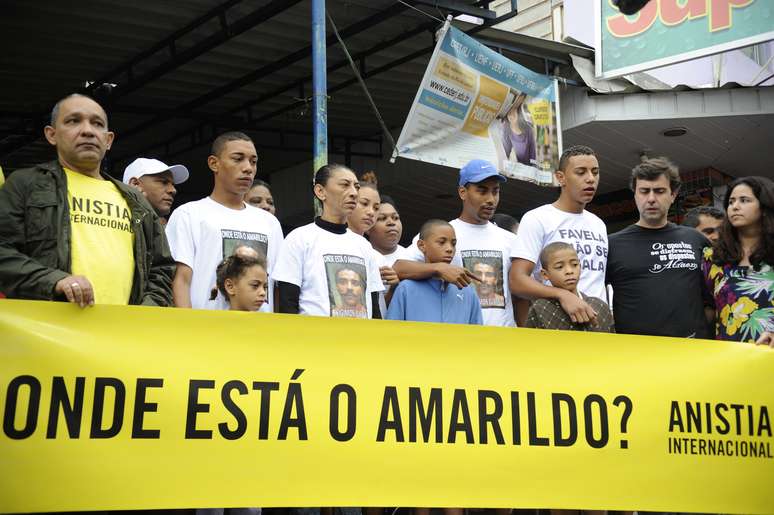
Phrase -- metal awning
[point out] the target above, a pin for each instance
(185, 70)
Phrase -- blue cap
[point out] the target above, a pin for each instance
(478, 170)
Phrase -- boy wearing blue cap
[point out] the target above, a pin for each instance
(484, 251)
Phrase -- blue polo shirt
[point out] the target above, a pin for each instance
(433, 300)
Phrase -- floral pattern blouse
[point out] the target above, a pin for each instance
(744, 299)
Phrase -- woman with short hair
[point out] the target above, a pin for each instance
(309, 265)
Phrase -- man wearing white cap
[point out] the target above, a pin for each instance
(156, 181)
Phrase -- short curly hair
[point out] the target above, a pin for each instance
(575, 150)
(653, 168)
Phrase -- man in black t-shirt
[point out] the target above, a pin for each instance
(654, 266)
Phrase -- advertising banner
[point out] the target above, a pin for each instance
(665, 32)
(119, 408)
(474, 103)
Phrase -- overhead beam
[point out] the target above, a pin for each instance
(458, 7)
(224, 121)
(170, 43)
(371, 73)
(226, 32)
(349, 82)
(177, 58)
(200, 137)
(498, 45)
(268, 69)
(355, 28)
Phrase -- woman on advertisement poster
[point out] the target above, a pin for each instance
(522, 133)
(518, 133)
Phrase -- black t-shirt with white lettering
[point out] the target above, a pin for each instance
(657, 281)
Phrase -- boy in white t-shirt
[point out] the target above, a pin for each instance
(484, 251)
(565, 220)
(204, 232)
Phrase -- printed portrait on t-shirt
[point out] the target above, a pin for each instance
(488, 266)
(347, 282)
(233, 240)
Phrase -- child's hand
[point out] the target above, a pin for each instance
(578, 310)
(389, 276)
(456, 275)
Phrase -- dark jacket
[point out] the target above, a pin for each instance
(35, 238)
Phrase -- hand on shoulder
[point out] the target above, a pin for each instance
(579, 311)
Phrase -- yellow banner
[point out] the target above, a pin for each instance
(142, 408)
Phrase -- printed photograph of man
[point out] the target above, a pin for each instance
(490, 289)
(230, 246)
(348, 291)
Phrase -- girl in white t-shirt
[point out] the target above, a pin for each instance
(324, 268)
(242, 280)
(363, 219)
(386, 233)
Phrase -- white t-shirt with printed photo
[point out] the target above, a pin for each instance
(336, 272)
(203, 232)
(585, 231)
(485, 250)
(387, 260)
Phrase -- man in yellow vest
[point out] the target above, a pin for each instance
(69, 232)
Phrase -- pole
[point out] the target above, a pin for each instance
(320, 90)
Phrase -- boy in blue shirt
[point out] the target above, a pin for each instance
(433, 300)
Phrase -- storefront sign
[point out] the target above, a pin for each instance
(670, 31)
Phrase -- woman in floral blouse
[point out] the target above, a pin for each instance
(739, 270)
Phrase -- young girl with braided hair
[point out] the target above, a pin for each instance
(243, 281)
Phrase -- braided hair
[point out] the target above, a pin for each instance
(233, 267)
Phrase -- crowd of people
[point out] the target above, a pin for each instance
(70, 232)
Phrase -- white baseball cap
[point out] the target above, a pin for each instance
(144, 166)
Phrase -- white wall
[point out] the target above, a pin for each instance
(534, 18)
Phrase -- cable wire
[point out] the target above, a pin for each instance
(420, 11)
(386, 131)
